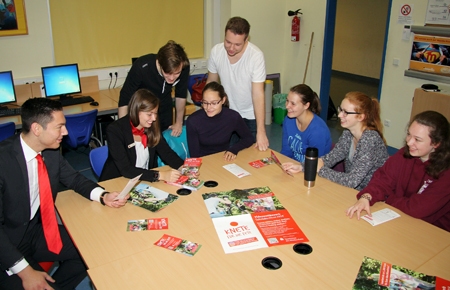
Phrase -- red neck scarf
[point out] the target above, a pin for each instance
(139, 132)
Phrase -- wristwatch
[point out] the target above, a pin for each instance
(156, 175)
(102, 196)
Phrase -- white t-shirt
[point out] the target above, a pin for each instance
(237, 78)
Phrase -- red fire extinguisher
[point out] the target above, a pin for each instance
(295, 28)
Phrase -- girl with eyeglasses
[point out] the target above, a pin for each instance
(209, 130)
(416, 179)
(302, 127)
(361, 145)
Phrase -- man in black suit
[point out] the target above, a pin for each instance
(22, 240)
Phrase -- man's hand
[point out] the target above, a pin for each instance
(32, 279)
(262, 143)
(110, 199)
(177, 129)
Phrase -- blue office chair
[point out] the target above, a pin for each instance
(80, 128)
(178, 144)
(7, 130)
(98, 157)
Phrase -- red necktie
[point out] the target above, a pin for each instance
(141, 133)
(48, 215)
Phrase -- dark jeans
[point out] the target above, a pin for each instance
(71, 270)
(251, 124)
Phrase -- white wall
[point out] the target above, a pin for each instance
(26, 54)
(270, 30)
(397, 91)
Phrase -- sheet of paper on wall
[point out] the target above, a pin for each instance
(438, 12)
(381, 216)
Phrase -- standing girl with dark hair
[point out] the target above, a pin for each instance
(135, 141)
(302, 127)
(416, 180)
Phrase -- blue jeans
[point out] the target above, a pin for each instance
(251, 124)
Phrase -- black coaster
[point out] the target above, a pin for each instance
(271, 263)
(302, 249)
(183, 191)
(211, 183)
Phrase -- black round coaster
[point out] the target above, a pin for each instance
(211, 183)
(271, 263)
(303, 249)
(183, 191)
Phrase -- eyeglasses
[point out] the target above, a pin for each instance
(345, 113)
(206, 104)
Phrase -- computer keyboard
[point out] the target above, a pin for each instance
(10, 112)
(76, 100)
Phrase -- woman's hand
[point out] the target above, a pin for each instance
(359, 206)
(291, 167)
(170, 175)
(319, 164)
(228, 156)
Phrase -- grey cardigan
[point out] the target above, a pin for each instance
(369, 155)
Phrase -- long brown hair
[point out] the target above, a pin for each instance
(371, 110)
(307, 95)
(439, 132)
(144, 101)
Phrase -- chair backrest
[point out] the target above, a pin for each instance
(7, 130)
(192, 80)
(80, 128)
(178, 144)
(98, 157)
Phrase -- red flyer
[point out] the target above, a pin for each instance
(178, 245)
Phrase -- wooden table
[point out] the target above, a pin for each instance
(117, 259)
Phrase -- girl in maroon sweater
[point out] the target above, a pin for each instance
(416, 180)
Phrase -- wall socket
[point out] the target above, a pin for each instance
(387, 123)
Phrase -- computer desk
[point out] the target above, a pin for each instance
(118, 259)
(106, 106)
(114, 94)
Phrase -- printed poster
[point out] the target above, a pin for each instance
(251, 219)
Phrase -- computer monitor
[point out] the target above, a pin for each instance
(7, 91)
(61, 80)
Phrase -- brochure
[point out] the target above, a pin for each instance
(380, 216)
(131, 183)
(189, 171)
(375, 274)
(277, 161)
(148, 224)
(178, 245)
(191, 166)
(236, 170)
(151, 198)
(262, 162)
(191, 183)
(251, 219)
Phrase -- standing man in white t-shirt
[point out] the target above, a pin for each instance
(240, 66)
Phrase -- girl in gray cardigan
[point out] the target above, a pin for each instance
(361, 145)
